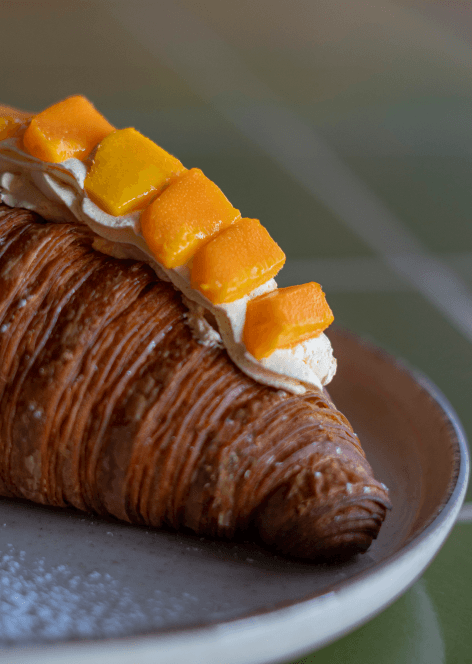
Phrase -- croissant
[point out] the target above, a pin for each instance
(109, 404)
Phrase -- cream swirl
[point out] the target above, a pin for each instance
(56, 192)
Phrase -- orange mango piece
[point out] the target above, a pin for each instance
(184, 217)
(11, 120)
(239, 259)
(284, 318)
(128, 170)
(70, 128)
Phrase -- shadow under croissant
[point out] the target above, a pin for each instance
(109, 404)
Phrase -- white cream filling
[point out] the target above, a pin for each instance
(56, 192)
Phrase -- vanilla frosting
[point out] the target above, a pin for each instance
(56, 192)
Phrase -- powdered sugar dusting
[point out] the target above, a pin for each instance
(38, 602)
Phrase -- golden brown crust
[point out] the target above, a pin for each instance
(108, 403)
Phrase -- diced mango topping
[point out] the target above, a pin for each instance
(184, 217)
(239, 259)
(128, 170)
(285, 317)
(11, 120)
(70, 128)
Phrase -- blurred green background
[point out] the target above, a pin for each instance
(345, 126)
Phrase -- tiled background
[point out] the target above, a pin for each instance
(345, 126)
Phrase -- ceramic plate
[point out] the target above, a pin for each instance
(76, 589)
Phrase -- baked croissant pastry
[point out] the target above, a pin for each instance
(109, 403)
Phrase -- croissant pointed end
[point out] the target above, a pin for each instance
(334, 531)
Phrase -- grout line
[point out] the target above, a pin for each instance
(217, 73)
(465, 515)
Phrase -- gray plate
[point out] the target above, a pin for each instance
(76, 586)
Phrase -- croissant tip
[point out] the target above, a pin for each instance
(333, 533)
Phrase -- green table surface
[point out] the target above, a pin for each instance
(345, 126)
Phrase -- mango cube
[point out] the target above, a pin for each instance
(184, 217)
(70, 128)
(284, 318)
(239, 259)
(11, 120)
(128, 170)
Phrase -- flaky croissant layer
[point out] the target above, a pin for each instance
(109, 404)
